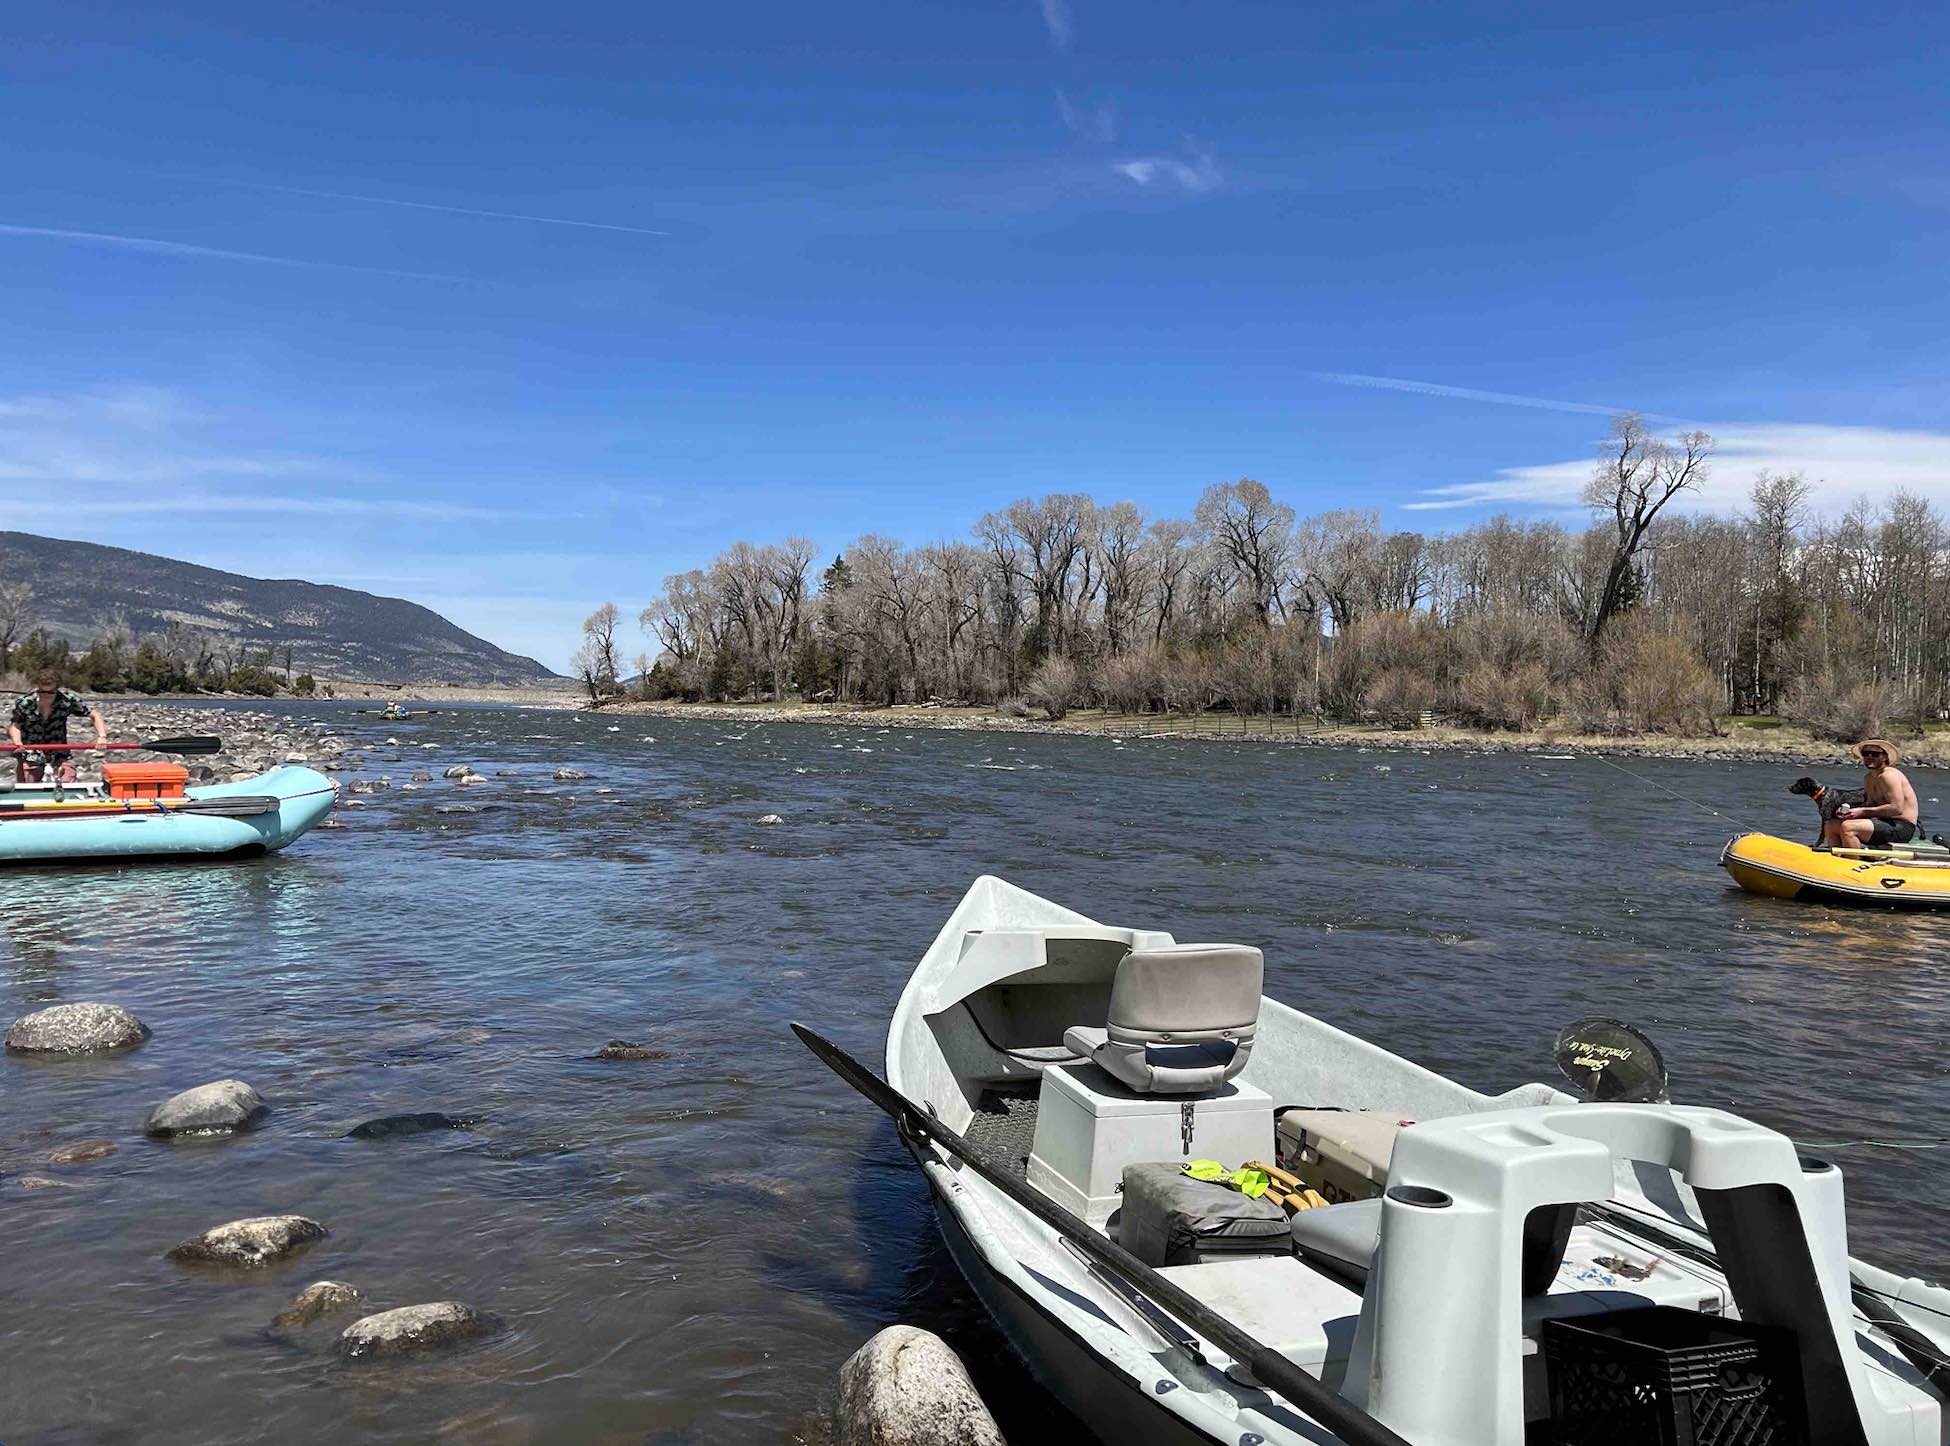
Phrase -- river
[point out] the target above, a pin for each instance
(686, 1248)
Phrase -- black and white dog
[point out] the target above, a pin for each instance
(1828, 800)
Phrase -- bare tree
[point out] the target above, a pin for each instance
(16, 600)
(1253, 532)
(1636, 476)
(595, 660)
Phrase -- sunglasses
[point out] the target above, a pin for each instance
(1868, 753)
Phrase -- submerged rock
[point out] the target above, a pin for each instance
(906, 1387)
(569, 775)
(422, 778)
(415, 1328)
(419, 1124)
(626, 1049)
(321, 1297)
(86, 1028)
(81, 1152)
(218, 1108)
(260, 1240)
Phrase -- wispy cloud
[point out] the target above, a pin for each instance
(451, 210)
(1056, 20)
(1096, 122)
(205, 253)
(138, 452)
(1840, 464)
(1194, 170)
(1467, 394)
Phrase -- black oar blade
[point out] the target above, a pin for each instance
(1611, 1062)
(191, 744)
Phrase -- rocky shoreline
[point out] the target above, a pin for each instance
(1739, 745)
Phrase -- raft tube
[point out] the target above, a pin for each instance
(1763, 864)
(147, 829)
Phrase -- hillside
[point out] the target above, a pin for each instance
(82, 589)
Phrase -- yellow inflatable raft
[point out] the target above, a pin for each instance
(1903, 877)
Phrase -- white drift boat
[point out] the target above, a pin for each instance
(1046, 1060)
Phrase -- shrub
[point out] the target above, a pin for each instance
(1134, 682)
(1647, 681)
(1382, 643)
(1518, 696)
(1057, 687)
(304, 685)
(1846, 712)
(1014, 708)
(1185, 683)
(1399, 697)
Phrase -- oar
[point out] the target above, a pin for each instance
(243, 805)
(192, 744)
(1269, 1368)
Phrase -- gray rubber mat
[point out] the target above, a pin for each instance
(1004, 1128)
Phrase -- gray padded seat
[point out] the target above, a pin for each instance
(1340, 1237)
(1182, 1018)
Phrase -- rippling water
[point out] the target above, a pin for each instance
(687, 1248)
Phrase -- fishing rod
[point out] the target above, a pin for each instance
(1269, 1368)
(1654, 783)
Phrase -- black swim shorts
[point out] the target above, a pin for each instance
(1891, 831)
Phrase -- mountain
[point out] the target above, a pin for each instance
(82, 589)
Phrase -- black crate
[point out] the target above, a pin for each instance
(1660, 1376)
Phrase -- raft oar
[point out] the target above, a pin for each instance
(1269, 1368)
(243, 805)
(192, 744)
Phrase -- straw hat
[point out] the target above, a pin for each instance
(1895, 754)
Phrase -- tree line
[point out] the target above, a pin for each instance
(1646, 619)
(179, 659)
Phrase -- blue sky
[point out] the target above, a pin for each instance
(513, 309)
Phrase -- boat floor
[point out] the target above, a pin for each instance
(1004, 1126)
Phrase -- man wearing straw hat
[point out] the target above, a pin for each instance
(1887, 813)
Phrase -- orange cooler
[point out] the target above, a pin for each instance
(145, 780)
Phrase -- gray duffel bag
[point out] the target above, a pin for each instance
(1168, 1218)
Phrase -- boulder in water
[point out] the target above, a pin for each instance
(81, 1152)
(218, 1108)
(415, 1328)
(422, 778)
(321, 1297)
(260, 1240)
(906, 1387)
(626, 1049)
(459, 770)
(418, 1124)
(771, 818)
(569, 775)
(87, 1028)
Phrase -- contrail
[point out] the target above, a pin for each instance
(1472, 394)
(184, 248)
(454, 210)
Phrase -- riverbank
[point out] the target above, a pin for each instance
(1740, 741)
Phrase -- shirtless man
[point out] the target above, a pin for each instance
(1887, 814)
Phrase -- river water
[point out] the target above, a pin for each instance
(685, 1249)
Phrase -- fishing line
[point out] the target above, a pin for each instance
(1653, 782)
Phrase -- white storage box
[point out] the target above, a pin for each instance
(1089, 1127)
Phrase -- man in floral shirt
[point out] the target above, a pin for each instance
(42, 717)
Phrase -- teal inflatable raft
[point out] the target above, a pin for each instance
(250, 816)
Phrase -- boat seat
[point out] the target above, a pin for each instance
(1344, 1238)
(1182, 1018)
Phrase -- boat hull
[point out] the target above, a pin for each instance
(304, 798)
(1780, 869)
(1068, 1368)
